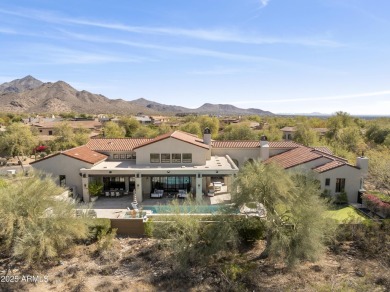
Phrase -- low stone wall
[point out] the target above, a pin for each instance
(130, 227)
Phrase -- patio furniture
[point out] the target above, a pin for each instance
(217, 186)
(118, 194)
(107, 194)
(182, 194)
(112, 194)
(210, 193)
(157, 194)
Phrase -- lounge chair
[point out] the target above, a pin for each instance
(217, 186)
(210, 193)
(182, 194)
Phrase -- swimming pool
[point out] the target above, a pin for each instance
(202, 209)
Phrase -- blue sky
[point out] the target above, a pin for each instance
(285, 56)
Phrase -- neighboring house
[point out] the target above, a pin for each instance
(180, 160)
(47, 128)
(158, 120)
(288, 132)
(145, 120)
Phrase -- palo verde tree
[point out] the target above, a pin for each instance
(113, 130)
(67, 137)
(295, 228)
(18, 140)
(36, 223)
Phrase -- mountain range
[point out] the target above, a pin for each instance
(30, 95)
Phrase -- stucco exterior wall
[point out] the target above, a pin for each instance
(64, 165)
(352, 177)
(171, 145)
(241, 155)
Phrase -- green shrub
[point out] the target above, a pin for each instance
(341, 198)
(149, 226)
(97, 227)
(250, 229)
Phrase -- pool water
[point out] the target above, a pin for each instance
(203, 209)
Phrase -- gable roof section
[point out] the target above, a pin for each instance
(324, 149)
(328, 166)
(178, 135)
(82, 153)
(254, 144)
(294, 157)
(116, 144)
(85, 154)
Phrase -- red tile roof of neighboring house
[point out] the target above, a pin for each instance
(116, 144)
(73, 124)
(253, 144)
(179, 135)
(82, 153)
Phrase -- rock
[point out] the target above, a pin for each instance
(360, 273)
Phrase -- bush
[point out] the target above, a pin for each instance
(341, 198)
(149, 226)
(250, 229)
(375, 204)
(97, 227)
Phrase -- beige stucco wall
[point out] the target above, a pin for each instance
(352, 181)
(241, 155)
(64, 165)
(171, 145)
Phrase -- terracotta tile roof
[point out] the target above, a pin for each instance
(236, 144)
(84, 153)
(294, 157)
(324, 149)
(179, 135)
(254, 144)
(118, 144)
(328, 166)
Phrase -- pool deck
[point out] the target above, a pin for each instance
(116, 208)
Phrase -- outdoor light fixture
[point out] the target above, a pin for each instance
(110, 171)
(80, 174)
(168, 171)
(84, 175)
(216, 171)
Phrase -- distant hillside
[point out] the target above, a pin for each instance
(33, 96)
(20, 85)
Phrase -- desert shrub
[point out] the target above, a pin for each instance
(250, 229)
(37, 225)
(149, 226)
(97, 227)
(341, 198)
(106, 239)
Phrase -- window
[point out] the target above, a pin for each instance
(187, 157)
(154, 158)
(116, 156)
(165, 158)
(123, 156)
(50, 133)
(40, 131)
(340, 185)
(327, 181)
(62, 180)
(176, 158)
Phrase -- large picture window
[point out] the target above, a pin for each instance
(165, 157)
(187, 158)
(154, 158)
(340, 185)
(176, 157)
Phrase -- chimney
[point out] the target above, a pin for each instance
(362, 163)
(264, 148)
(207, 136)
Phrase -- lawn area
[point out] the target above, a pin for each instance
(345, 213)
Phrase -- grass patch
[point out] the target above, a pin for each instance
(344, 213)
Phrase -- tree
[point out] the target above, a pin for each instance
(36, 223)
(296, 229)
(238, 132)
(192, 127)
(130, 125)
(113, 130)
(67, 137)
(211, 123)
(18, 140)
(305, 135)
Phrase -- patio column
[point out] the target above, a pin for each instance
(127, 179)
(138, 187)
(84, 182)
(198, 183)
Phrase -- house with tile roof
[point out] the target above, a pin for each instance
(182, 161)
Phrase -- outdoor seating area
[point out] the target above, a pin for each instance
(115, 193)
(157, 194)
(182, 194)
